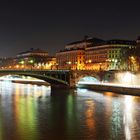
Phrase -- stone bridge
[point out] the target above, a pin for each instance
(77, 75)
(67, 78)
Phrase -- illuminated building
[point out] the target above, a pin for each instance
(73, 56)
(87, 54)
(135, 57)
(49, 63)
(71, 59)
(32, 59)
(95, 54)
(108, 55)
(7, 63)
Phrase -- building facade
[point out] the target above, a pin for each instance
(73, 56)
(96, 54)
(32, 59)
(109, 55)
(71, 59)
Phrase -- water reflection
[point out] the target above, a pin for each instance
(117, 112)
(1, 125)
(90, 122)
(116, 120)
(31, 112)
(9, 88)
(128, 118)
(18, 107)
(25, 118)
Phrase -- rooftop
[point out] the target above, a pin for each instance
(33, 51)
(116, 41)
(87, 39)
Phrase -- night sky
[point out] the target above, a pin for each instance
(50, 25)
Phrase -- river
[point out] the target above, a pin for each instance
(31, 112)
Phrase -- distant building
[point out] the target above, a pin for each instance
(7, 63)
(87, 54)
(108, 55)
(71, 59)
(82, 44)
(95, 54)
(32, 53)
(73, 56)
(32, 59)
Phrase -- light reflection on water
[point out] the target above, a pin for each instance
(18, 107)
(9, 88)
(121, 113)
(31, 112)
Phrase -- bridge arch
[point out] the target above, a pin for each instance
(66, 78)
(53, 81)
(89, 77)
(15, 77)
(87, 80)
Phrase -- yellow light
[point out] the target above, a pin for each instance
(21, 62)
(69, 62)
(89, 61)
(132, 58)
(22, 66)
(31, 61)
(17, 66)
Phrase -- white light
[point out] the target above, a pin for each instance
(127, 77)
(88, 80)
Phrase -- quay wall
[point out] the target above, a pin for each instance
(116, 89)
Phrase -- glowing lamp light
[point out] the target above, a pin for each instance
(132, 58)
(127, 78)
(31, 61)
(69, 62)
(89, 61)
(21, 62)
(17, 66)
(22, 66)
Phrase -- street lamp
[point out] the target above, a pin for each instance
(17, 66)
(100, 68)
(69, 63)
(21, 62)
(89, 61)
(31, 62)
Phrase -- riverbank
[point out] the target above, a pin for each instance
(116, 89)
